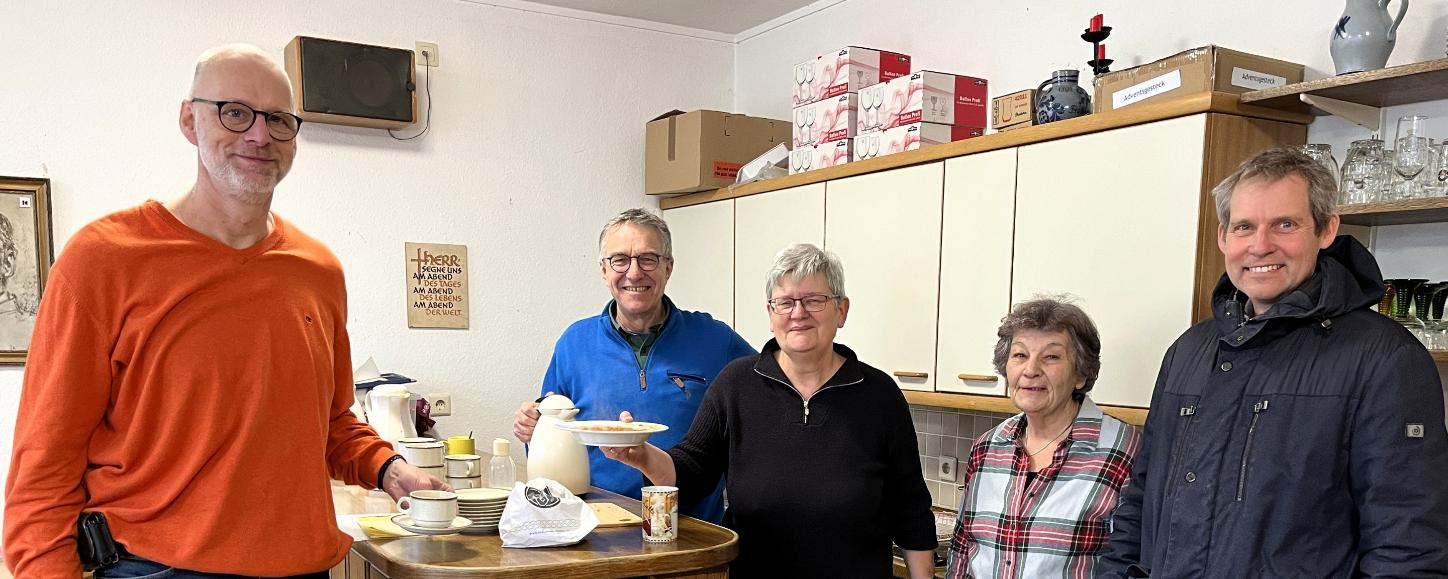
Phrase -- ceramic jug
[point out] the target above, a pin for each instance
(389, 411)
(1365, 35)
(555, 453)
(1060, 98)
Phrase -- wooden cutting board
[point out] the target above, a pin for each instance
(611, 515)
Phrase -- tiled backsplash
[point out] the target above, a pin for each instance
(948, 432)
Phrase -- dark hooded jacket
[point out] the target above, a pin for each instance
(1305, 442)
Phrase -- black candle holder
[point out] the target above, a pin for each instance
(1095, 37)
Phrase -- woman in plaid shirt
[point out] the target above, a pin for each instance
(1040, 488)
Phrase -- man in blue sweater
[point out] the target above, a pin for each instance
(641, 353)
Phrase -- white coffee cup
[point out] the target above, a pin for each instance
(432, 509)
(423, 453)
(463, 465)
(475, 482)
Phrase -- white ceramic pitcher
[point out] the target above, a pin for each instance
(390, 412)
(555, 453)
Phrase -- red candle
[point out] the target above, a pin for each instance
(1096, 22)
(1101, 52)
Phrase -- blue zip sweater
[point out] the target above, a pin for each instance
(595, 367)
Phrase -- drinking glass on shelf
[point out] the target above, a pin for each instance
(1362, 173)
(1322, 153)
(1411, 152)
(1440, 175)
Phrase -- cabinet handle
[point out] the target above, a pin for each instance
(900, 374)
(980, 377)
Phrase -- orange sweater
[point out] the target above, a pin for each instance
(196, 394)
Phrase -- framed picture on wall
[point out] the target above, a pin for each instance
(26, 253)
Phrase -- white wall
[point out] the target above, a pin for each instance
(537, 138)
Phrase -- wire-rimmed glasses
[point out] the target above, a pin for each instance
(620, 262)
(812, 303)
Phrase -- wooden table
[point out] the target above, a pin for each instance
(702, 551)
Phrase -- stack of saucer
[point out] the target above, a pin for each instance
(484, 507)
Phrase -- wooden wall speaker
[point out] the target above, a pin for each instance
(345, 83)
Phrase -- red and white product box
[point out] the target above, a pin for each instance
(846, 71)
(826, 155)
(925, 96)
(908, 138)
(825, 121)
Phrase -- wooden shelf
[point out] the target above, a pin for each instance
(1147, 112)
(1385, 87)
(980, 403)
(1439, 356)
(1431, 210)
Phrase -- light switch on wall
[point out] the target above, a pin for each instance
(947, 469)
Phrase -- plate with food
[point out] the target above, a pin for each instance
(611, 432)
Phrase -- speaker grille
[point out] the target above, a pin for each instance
(359, 80)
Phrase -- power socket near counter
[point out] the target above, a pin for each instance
(441, 404)
(946, 470)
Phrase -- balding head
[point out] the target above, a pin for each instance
(218, 65)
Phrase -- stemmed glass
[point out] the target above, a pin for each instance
(866, 103)
(1412, 153)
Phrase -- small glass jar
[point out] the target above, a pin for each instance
(1363, 173)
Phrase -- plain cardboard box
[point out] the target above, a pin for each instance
(908, 138)
(1209, 68)
(924, 96)
(700, 150)
(1013, 110)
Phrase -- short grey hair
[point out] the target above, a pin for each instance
(1054, 314)
(641, 217)
(803, 260)
(1274, 164)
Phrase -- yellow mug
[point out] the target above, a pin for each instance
(460, 445)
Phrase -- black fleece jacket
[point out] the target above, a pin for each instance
(816, 488)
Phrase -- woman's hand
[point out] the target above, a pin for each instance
(656, 464)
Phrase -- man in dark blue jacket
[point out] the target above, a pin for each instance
(641, 354)
(1298, 433)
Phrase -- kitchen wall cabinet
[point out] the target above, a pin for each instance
(1114, 209)
(886, 229)
(765, 224)
(1122, 241)
(975, 269)
(703, 277)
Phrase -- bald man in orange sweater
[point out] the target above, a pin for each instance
(189, 376)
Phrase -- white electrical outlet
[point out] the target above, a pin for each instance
(427, 53)
(441, 404)
(947, 469)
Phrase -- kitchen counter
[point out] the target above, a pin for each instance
(702, 551)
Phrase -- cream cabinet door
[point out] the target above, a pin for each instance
(703, 277)
(767, 223)
(1111, 218)
(886, 229)
(975, 269)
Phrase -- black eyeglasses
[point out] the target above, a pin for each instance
(238, 118)
(814, 303)
(647, 261)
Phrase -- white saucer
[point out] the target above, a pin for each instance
(405, 521)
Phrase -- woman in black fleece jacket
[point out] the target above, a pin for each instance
(817, 448)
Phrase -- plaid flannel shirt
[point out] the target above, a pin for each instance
(1057, 525)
